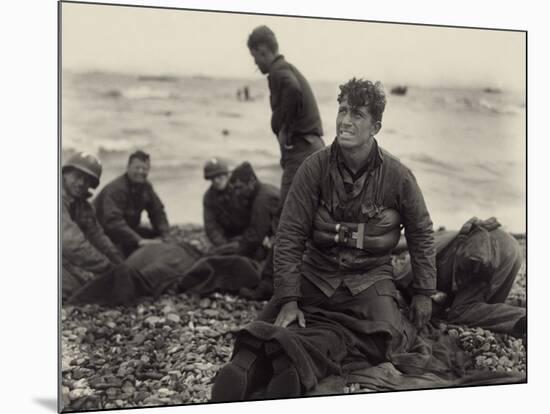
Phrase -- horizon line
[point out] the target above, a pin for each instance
(169, 74)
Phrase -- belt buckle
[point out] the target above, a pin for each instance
(344, 234)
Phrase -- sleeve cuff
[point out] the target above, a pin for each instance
(283, 301)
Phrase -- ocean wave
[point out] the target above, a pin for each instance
(169, 169)
(498, 104)
(145, 92)
(160, 78)
(493, 169)
(146, 132)
(433, 162)
(229, 114)
(121, 145)
(138, 93)
(171, 163)
(498, 109)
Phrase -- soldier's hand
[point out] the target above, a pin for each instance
(282, 137)
(267, 242)
(289, 313)
(420, 310)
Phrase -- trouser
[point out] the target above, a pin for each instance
(480, 302)
(292, 159)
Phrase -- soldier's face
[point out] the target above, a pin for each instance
(76, 183)
(138, 170)
(261, 58)
(355, 125)
(219, 182)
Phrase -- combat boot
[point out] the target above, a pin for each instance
(247, 371)
(285, 382)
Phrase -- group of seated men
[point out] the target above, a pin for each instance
(239, 214)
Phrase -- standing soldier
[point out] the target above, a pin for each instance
(295, 116)
(295, 121)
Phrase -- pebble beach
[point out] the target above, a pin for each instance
(167, 351)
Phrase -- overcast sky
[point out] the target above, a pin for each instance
(180, 42)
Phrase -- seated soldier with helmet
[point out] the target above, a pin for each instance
(239, 210)
(86, 251)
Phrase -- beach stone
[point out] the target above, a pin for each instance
(65, 366)
(80, 373)
(212, 313)
(79, 393)
(159, 343)
(153, 320)
(141, 395)
(80, 331)
(153, 400)
(165, 392)
(174, 349)
(128, 388)
(139, 338)
(172, 317)
(188, 367)
(112, 393)
(169, 308)
(203, 367)
(111, 314)
(81, 383)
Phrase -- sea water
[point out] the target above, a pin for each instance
(466, 147)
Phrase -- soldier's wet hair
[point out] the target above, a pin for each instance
(359, 92)
(263, 35)
(139, 155)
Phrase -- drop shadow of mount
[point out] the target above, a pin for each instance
(49, 403)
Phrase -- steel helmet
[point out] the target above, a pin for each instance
(215, 167)
(86, 163)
